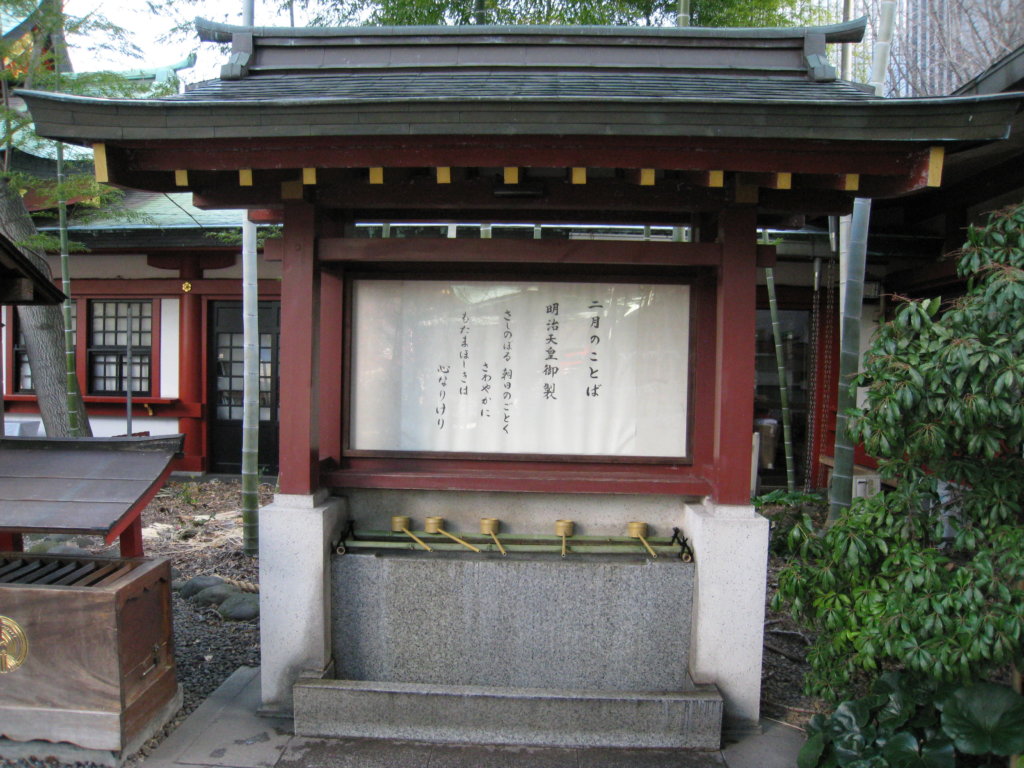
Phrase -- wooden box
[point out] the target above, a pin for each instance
(86, 651)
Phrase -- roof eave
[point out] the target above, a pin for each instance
(84, 120)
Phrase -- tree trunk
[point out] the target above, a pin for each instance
(43, 329)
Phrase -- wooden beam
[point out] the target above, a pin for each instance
(444, 174)
(746, 194)
(936, 155)
(377, 174)
(510, 175)
(430, 250)
(99, 162)
(658, 152)
(291, 190)
(180, 178)
(245, 177)
(309, 176)
(578, 175)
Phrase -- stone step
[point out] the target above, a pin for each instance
(483, 715)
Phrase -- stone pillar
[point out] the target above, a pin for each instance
(731, 542)
(296, 534)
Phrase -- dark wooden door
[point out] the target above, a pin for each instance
(226, 377)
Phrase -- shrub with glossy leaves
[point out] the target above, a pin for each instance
(928, 577)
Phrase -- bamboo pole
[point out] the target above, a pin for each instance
(251, 379)
(780, 363)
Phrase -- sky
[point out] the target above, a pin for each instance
(147, 31)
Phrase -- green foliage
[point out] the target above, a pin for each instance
(786, 510)
(704, 13)
(903, 723)
(929, 577)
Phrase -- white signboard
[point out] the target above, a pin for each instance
(581, 369)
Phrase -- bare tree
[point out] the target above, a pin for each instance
(940, 44)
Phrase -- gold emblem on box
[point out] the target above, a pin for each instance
(13, 645)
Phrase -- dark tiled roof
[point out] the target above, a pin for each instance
(505, 85)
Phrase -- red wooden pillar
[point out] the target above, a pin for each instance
(331, 307)
(300, 353)
(735, 321)
(190, 366)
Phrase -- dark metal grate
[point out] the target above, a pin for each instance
(62, 572)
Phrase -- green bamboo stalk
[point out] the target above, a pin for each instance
(70, 377)
(841, 488)
(780, 363)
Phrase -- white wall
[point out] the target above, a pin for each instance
(170, 310)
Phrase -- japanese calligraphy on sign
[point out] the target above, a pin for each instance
(520, 368)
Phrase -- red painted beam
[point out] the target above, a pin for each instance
(431, 251)
(520, 481)
(659, 152)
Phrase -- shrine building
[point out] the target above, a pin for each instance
(515, 472)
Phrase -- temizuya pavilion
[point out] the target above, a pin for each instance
(529, 380)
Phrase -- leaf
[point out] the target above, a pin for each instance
(903, 751)
(810, 753)
(985, 717)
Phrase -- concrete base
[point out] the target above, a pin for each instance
(296, 533)
(485, 715)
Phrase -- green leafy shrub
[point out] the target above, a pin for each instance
(908, 724)
(786, 509)
(928, 578)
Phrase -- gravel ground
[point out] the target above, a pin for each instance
(198, 526)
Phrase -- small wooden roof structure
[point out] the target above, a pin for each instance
(485, 121)
(21, 282)
(92, 486)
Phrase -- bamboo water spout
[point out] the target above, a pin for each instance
(489, 527)
(564, 528)
(400, 524)
(637, 530)
(435, 525)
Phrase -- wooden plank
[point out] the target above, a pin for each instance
(118, 573)
(6, 566)
(99, 162)
(936, 156)
(80, 572)
(22, 572)
(41, 574)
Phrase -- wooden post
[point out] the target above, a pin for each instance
(190, 384)
(735, 314)
(300, 353)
